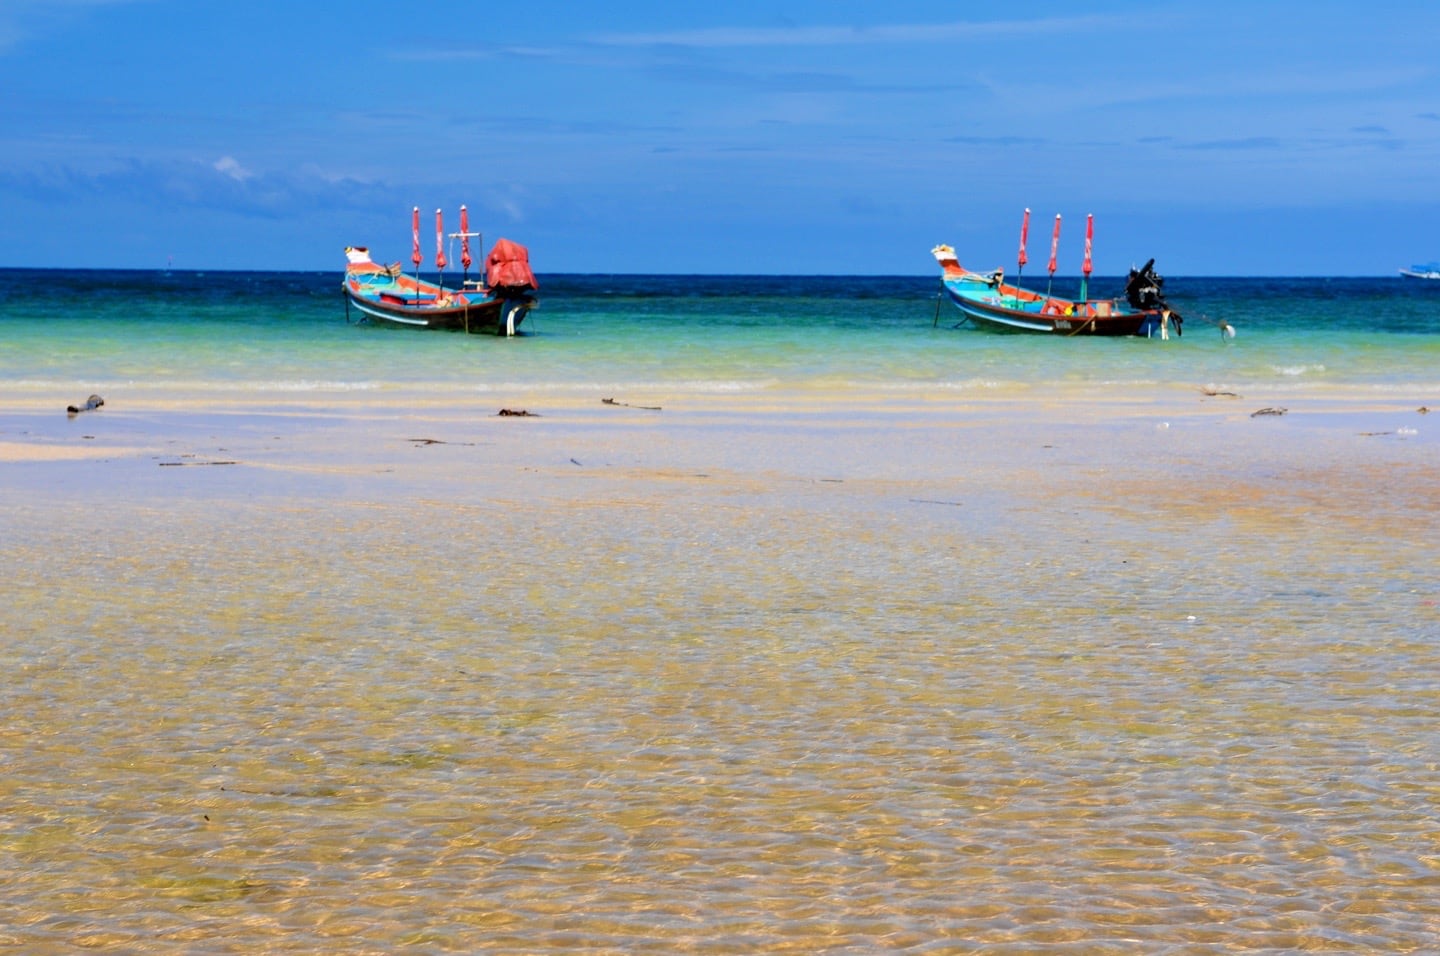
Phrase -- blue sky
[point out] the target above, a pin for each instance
(839, 137)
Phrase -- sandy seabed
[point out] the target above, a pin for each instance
(785, 672)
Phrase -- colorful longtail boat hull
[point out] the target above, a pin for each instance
(990, 303)
(387, 296)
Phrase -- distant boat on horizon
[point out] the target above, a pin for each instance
(1428, 270)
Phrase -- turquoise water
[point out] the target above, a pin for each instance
(250, 332)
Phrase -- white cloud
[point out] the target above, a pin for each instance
(849, 36)
(229, 166)
(21, 19)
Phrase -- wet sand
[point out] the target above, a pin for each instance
(32, 431)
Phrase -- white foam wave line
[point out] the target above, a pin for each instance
(1292, 383)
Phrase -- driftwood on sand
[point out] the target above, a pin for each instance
(648, 408)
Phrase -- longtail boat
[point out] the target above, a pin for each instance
(496, 305)
(990, 303)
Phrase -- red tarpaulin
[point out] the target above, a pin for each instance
(439, 241)
(509, 265)
(1089, 238)
(1055, 243)
(415, 255)
(465, 238)
(1024, 237)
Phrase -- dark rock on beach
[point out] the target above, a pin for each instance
(91, 403)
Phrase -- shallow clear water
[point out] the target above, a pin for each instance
(897, 676)
(247, 332)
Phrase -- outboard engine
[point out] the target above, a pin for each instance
(1145, 291)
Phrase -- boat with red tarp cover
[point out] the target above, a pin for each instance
(496, 305)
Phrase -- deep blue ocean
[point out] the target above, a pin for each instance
(277, 331)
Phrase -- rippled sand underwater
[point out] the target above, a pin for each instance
(1071, 689)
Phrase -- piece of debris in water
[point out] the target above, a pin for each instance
(1268, 411)
(91, 403)
(648, 408)
(517, 413)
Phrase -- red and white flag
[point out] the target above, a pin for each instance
(1055, 242)
(439, 241)
(1024, 237)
